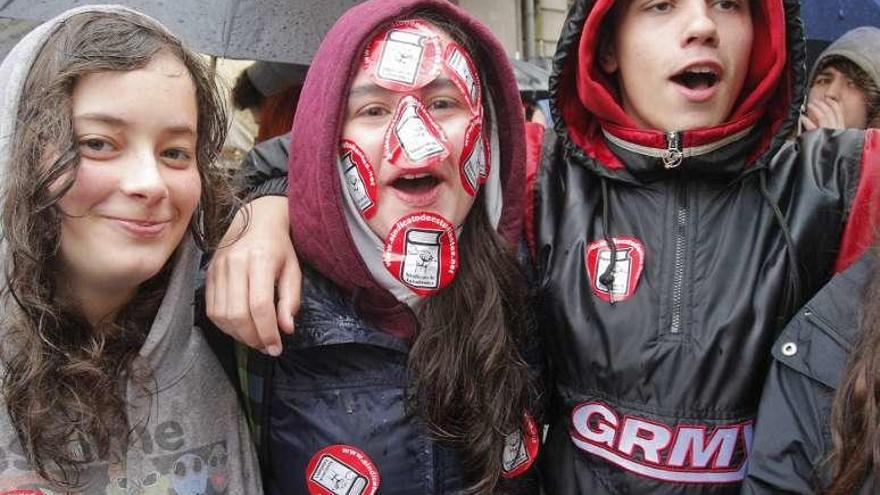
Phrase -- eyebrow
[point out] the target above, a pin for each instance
(117, 122)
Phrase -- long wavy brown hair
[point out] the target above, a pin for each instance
(472, 383)
(64, 379)
(855, 413)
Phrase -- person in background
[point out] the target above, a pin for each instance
(845, 83)
(108, 385)
(270, 91)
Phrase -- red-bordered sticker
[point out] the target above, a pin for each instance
(473, 158)
(461, 69)
(405, 56)
(342, 470)
(421, 251)
(360, 178)
(520, 449)
(629, 262)
(413, 138)
(487, 163)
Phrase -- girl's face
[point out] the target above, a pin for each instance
(378, 113)
(138, 183)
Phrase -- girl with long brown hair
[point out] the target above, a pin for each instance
(408, 372)
(108, 132)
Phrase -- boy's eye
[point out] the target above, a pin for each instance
(728, 5)
(660, 7)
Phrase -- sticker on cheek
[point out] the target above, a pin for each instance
(473, 158)
(413, 139)
(487, 160)
(360, 178)
(463, 74)
(405, 56)
(421, 251)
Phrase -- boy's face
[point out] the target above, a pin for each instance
(680, 63)
(841, 96)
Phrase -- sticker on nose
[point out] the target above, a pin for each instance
(421, 251)
(342, 470)
(360, 178)
(520, 449)
(405, 56)
(473, 158)
(413, 138)
(463, 73)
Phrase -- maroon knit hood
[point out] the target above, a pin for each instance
(317, 206)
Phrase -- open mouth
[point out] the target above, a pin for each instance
(697, 78)
(416, 184)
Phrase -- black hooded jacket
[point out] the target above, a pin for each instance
(719, 235)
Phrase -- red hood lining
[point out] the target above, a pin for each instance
(587, 96)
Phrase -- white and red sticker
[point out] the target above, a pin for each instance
(421, 251)
(629, 260)
(520, 449)
(473, 158)
(342, 470)
(460, 67)
(360, 178)
(405, 56)
(413, 138)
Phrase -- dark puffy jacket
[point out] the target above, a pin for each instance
(792, 431)
(660, 343)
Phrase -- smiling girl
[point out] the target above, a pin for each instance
(109, 129)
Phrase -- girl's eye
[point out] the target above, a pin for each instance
(96, 147)
(177, 155)
(373, 111)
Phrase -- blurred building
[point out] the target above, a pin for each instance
(528, 29)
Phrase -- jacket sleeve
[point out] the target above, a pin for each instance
(864, 210)
(788, 446)
(263, 171)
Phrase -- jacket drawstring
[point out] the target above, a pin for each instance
(793, 292)
(607, 277)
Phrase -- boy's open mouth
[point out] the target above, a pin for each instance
(697, 77)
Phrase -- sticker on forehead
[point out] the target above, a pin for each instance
(463, 73)
(342, 470)
(421, 251)
(360, 178)
(473, 158)
(405, 56)
(487, 164)
(413, 139)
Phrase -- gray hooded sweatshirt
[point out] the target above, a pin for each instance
(195, 439)
(860, 45)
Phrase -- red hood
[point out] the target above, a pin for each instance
(317, 209)
(584, 95)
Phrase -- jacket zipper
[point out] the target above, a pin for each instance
(674, 154)
(681, 220)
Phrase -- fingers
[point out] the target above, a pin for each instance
(808, 124)
(289, 290)
(827, 113)
(260, 303)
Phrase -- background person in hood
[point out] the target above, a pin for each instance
(845, 83)
(109, 130)
(407, 372)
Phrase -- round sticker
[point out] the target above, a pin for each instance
(342, 470)
(473, 158)
(520, 449)
(421, 251)
(360, 178)
(405, 56)
(413, 138)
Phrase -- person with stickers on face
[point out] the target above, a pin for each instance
(410, 369)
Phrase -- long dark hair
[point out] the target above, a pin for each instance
(64, 380)
(472, 384)
(855, 413)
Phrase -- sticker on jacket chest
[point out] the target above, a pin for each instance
(614, 274)
(520, 449)
(342, 470)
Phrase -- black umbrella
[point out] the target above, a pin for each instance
(530, 78)
(827, 20)
(274, 30)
